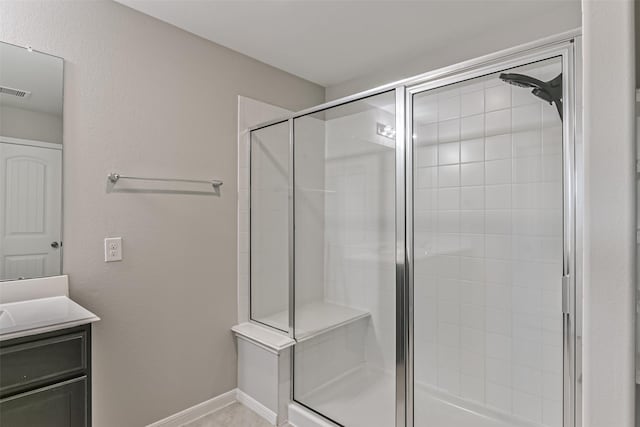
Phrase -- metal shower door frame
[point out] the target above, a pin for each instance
(569, 52)
(568, 47)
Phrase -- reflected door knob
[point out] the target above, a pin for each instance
(55, 245)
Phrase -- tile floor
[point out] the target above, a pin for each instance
(234, 415)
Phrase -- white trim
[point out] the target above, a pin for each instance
(30, 142)
(302, 417)
(197, 411)
(214, 405)
(257, 407)
(263, 337)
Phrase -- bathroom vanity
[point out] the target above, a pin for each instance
(46, 379)
(45, 355)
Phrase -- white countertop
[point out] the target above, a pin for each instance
(39, 315)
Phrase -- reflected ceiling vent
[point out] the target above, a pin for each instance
(4, 90)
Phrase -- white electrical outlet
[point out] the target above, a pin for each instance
(112, 249)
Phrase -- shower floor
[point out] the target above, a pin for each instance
(366, 398)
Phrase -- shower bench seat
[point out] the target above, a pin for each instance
(264, 354)
(317, 318)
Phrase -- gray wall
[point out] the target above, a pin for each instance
(143, 97)
(609, 220)
(565, 17)
(637, 30)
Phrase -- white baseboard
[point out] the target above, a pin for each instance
(215, 404)
(197, 411)
(257, 407)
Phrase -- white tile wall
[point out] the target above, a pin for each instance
(311, 182)
(320, 360)
(359, 216)
(488, 216)
(357, 220)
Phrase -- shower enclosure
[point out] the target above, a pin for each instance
(418, 242)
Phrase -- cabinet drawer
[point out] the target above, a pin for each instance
(35, 363)
(59, 405)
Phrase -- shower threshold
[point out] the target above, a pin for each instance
(365, 397)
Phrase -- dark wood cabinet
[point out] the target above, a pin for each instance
(59, 405)
(45, 380)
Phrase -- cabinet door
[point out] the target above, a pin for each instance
(60, 405)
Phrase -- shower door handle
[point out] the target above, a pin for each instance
(566, 307)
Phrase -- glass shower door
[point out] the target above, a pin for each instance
(345, 201)
(269, 226)
(487, 252)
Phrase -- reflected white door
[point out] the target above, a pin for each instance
(30, 211)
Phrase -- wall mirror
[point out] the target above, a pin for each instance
(30, 163)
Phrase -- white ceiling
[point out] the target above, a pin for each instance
(329, 42)
(36, 72)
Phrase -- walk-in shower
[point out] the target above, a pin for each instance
(417, 241)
